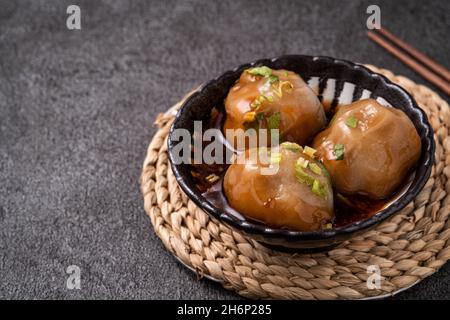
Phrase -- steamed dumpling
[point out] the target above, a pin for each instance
(368, 149)
(274, 99)
(297, 195)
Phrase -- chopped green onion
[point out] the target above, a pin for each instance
(318, 189)
(286, 73)
(309, 151)
(260, 71)
(260, 116)
(263, 153)
(279, 91)
(275, 157)
(351, 122)
(263, 97)
(291, 146)
(324, 170)
(328, 226)
(273, 121)
(259, 100)
(302, 176)
(339, 151)
(255, 104)
(252, 120)
(273, 78)
(305, 164)
(316, 186)
(302, 162)
(315, 168)
(249, 116)
(212, 178)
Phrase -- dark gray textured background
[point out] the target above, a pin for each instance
(76, 113)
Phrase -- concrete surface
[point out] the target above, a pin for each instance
(76, 113)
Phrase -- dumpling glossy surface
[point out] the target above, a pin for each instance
(297, 194)
(274, 99)
(368, 149)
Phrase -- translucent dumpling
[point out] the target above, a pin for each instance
(368, 149)
(291, 189)
(274, 99)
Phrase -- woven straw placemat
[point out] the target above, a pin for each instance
(408, 247)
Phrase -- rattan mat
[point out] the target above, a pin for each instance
(407, 248)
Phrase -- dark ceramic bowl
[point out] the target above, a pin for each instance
(335, 82)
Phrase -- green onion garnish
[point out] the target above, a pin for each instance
(291, 146)
(260, 71)
(318, 189)
(273, 121)
(339, 151)
(301, 175)
(315, 168)
(275, 157)
(260, 116)
(272, 79)
(309, 151)
(351, 122)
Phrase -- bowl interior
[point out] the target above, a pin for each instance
(335, 82)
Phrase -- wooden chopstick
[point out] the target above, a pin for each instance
(420, 69)
(441, 70)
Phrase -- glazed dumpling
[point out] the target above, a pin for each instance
(297, 195)
(274, 99)
(368, 149)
